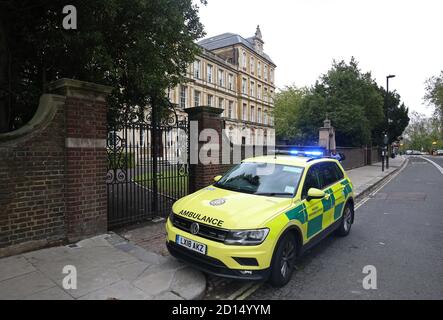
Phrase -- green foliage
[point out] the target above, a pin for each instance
(287, 113)
(124, 160)
(139, 47)
(422, 132)
(350, 99)
(397, 118)
(434, 96)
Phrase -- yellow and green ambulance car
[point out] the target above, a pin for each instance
(254, 221)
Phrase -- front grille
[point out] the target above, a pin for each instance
(205, 231)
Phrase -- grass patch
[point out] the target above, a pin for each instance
(169, 182)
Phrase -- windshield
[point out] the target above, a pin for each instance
(262, 179)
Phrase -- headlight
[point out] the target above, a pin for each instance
(246, 237)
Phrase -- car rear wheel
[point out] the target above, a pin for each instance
(346, 222)
(284, 261)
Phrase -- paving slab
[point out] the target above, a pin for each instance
(14, 266)
(168, 295)
(155, 283)
(189, 284)
(24, 285)
(54, 293)
(121, 290)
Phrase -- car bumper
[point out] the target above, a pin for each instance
(213, 266)
(222, 260)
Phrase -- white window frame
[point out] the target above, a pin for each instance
(221, 78)
(231, 81)
(252, 65)
(183, 96)
(252, 116)
(252, 87)
(210, 100)
(230, 109)
(245, 112)
(197, 98)
(244, 86)
(209, 75)
(197, 69)
(266, 72)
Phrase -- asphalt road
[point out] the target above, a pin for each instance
(399, 231)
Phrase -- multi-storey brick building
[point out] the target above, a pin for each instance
(234, 74)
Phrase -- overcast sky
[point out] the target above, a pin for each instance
(303, 37)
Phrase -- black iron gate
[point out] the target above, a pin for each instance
(148, 168)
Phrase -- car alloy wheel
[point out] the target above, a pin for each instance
(347, 219)
(287, 259)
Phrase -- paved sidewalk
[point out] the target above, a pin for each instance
(108, 267)
(366, 178)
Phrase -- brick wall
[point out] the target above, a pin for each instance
(53, 170)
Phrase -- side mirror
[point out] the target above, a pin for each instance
(314, 193)
(217, 178)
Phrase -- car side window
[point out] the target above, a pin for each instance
(339, 172)
(328, 174)
(311, 181)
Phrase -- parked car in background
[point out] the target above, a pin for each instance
(439, 152)
(409, 152)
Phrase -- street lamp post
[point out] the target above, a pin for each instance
(387, 118)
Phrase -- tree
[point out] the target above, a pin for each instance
(434, 96)
(396, 120)
(139, 47)
(421, 133)
(287, 109)
(349, 98)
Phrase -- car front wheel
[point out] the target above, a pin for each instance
(284, 261)
(346, 222)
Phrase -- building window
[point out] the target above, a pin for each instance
(259, 69)
(244, 60)
(271, 96)
(183, 96)
(252, 65)
(210, 99)
(209, 73)
(259, 91)
(221, 78)
(252, 89)
(243, 86)
(197, 95)
(245, 112)
(271, 120)
(266, 73)
(252, 114)
(231, 82)
(231, 110)
(221, 104)
(272, 75)
(266, 95)
(259, 115)
(265, 117)
(197, 66)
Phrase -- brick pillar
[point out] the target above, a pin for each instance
(85, 157)
(202, 175)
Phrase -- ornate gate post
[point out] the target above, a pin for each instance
(85, 157)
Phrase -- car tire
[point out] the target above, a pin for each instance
(284, 260)
(346, 221)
